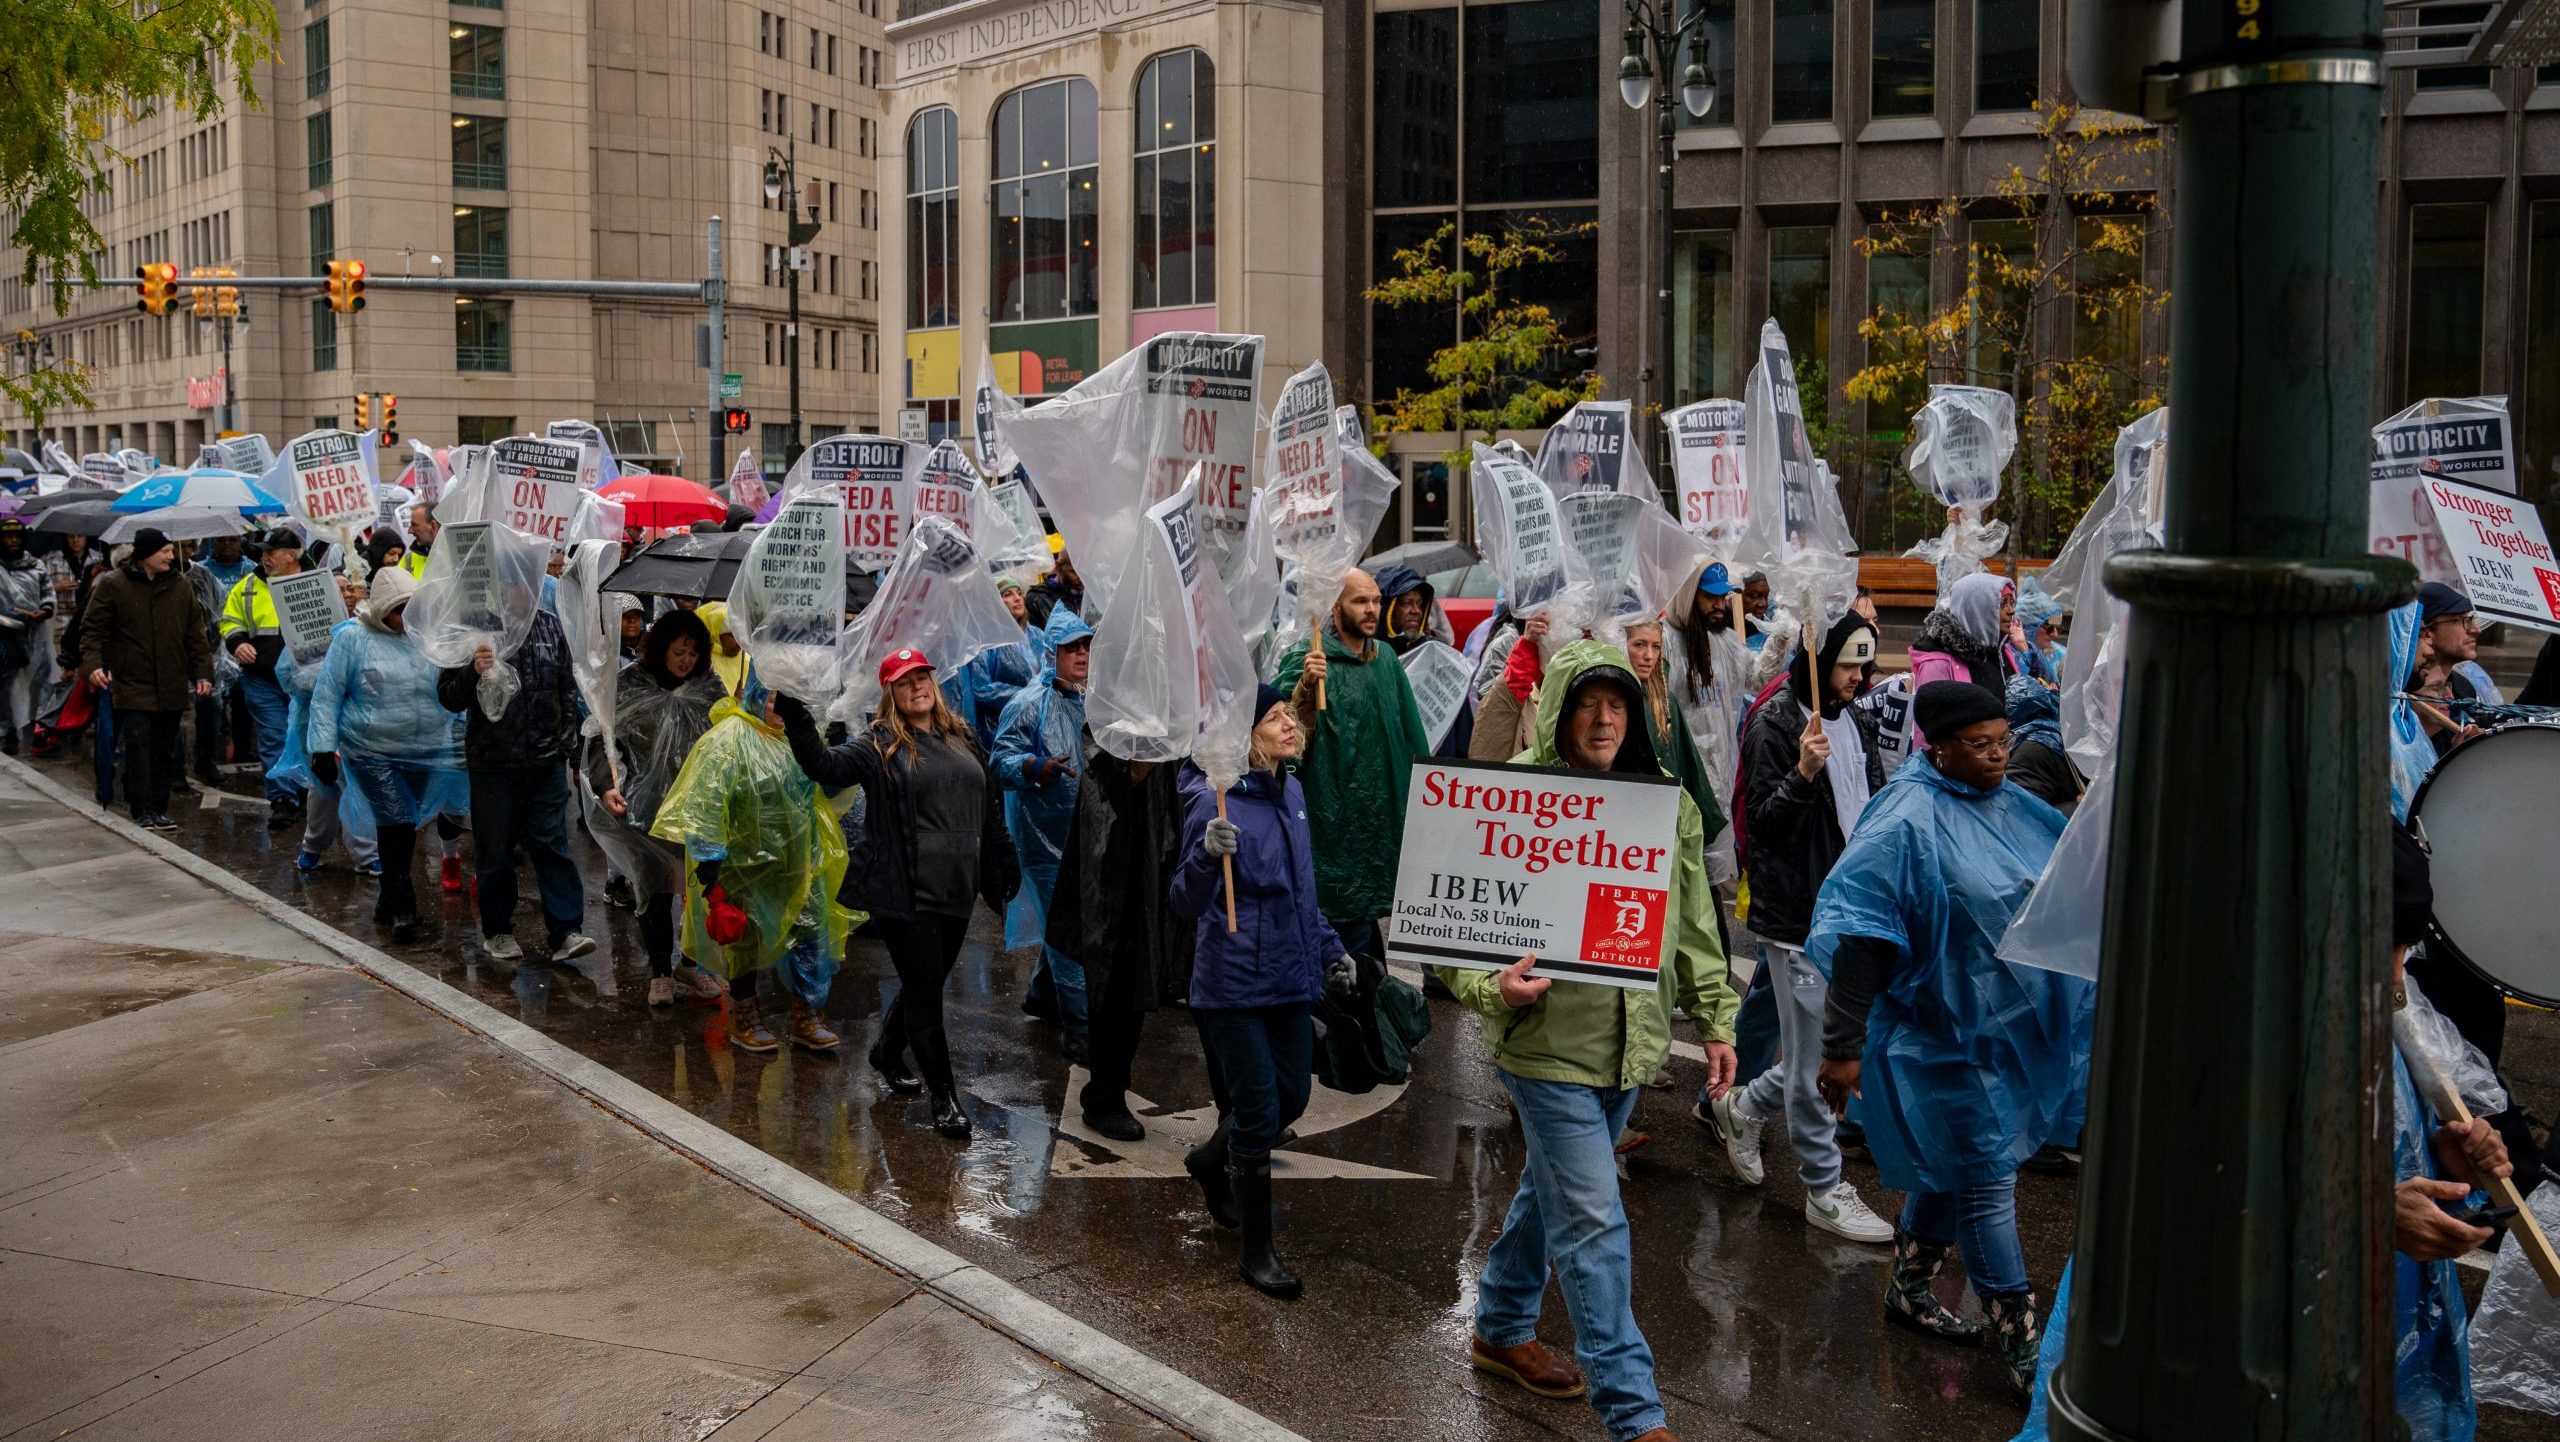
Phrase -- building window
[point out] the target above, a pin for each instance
(2104, 280)
(777, 446)
(482, 430)
(933, 219)
(483, 335)
(1904, 80)
(2539, 461)
(480, 241)
(1532, 77)
(1898, 291)
(1175, 245)
(2448, 271)
(479, 61)
(324, 235)
(2453, 77)
(1799, 60)
(1702, 315)
(324, 335)
(1715, 33)
(1800, 292)
(1042, 195)
(479, 152)
(2006, 54)
(831, 201)
(1999, 252)
(1414, 115)
(316, 149)
(315, 59)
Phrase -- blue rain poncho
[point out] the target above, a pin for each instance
(374, 705)
(979, 692)
(1039, 723)
(293, 765)
(2412, 754)
(2431, 1351)
(1971, 1063)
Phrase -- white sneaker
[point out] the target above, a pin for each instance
(501, 948)
(1840, 1212)
(1741, 1132)
(576, 944)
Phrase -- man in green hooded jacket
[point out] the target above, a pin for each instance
(1574, 1058)
(1361, 746)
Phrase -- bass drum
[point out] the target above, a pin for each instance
(2490, 816)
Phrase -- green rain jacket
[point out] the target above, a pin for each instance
(1360, 749)
(1591, 1034)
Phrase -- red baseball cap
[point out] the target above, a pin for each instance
(899, 662)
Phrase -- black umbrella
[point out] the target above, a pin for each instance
(1428, 558)
(80, 518)
(700, 564)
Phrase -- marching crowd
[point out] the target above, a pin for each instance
(1859, 864)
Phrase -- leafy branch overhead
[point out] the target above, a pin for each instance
(73, 76)
(1509, 367)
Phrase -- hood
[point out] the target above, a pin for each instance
(1844, 632)
(2035, 606)
(1063, 626)
(714, 616)
(390, 586)
(2035, 711)
(1975, 604)
(1593, 663)
(1396, 580)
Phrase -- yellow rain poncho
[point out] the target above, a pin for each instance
(742, 801)
(729, 665)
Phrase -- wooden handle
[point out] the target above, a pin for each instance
(1222, 805)
(2524, 1227)
(1227, 864)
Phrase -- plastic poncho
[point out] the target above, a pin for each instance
(742, 801)
(1971, 1063)
(2431, 1355)
(1041, 722)
(2412, 754)
(654, 730)
(375, 701)
(294, 765)
(1354, 770)
(979, 692)
(730, 667)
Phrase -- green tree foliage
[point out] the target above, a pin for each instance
(1507, 370)
(69, 70)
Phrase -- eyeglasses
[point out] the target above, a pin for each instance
(1986, 746)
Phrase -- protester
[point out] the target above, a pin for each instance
(422, 538)
(384, 548)
(1672, 742)
(517, 748)
(1755, 606)
(662, 706)
(981, 690)
(1962, 639)
(1361, 744)
(933, 838)
(228, 560)
(2448, 637)
(253, 635)
(1708, 659)
(2040, 619)
(68, 573)
(1061, 587)
(378, 723)
(1039, 750)
(1808, 773)
(26, 650)
(2037, 760)
(1411, 610)
(1506, 721)
(1960, 1064)
(1110, 912)
(142, 641)
(1254, 989)
(1573, 1058)
(333, 813)
(766, 860)
(728, 658)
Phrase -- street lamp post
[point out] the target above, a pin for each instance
(1657, 37)
(782, 177)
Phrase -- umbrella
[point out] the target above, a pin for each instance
(1427, 558)
(656, 501)
(85, 517)
(700, 565)
(205, 488)
(178, 523)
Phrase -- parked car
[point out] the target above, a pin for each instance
(1466, 597)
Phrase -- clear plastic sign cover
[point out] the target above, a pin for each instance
(326, 484)
(937, 597)
(2465, 439)
(482, 585)
(597, 465)
(1796, 533)
(308, 607)
(947, 486)
(1706, 464)
(786, 606)
(1438, 674)
(1961, 441)
(533, 486)
(1523, 538)
(591, 620)
(874, 475)
(1591, 448)
(746, 483)
(1302, 492)
(1171, 675)
(250, 455)
(993, 411)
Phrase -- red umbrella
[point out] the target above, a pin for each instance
(657, 502)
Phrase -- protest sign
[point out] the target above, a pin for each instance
(326, 485)
(1706, 463)
(249, 455)
(1796, 533)
(1571, 867)
(746, 483)
(534, 486)
(874, 475)
(994, 408)
(103, 470)
(58, 461)
(2502, 558)
(1961, 441)
(787, 604)
(596, 463)
(1302, 496)
(1438, 674)
(1516, 518)
(426, 473)
(1589, 449)
(948, 487)
(938, 598)
(1199, 421)
(1028, 548)
(308, 608)
(2466, 440)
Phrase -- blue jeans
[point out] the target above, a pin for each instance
(1982, 1219)
(1567, 1215)
(268, 711)
(1261, 1059)
(528, 807)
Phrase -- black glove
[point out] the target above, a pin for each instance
(790, 709)
(1342, 978)
(325, 766)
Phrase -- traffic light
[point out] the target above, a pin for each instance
(346, 286)
(390, 419)
(733, 421)
(159, 287)
(364, 410)
(226, 301)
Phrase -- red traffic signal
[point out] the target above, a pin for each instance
(159, 287)
(734, 421)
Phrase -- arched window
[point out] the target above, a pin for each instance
(1042, 194)
(1176, 186)
(933, 219)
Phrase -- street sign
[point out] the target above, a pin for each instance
(732, 386)
(911, 425)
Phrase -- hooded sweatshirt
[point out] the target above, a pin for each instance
(1790, 828)
(1960, 641)
(1585, 1033)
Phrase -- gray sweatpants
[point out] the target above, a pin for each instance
(1789, 1081)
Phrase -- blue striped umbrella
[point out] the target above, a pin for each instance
(204, 489)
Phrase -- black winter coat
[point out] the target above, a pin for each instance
(1793, 827)
(879, 877)
(149, 634)
(540, 725)
(1111, 909)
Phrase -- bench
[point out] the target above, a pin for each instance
(1904, 583)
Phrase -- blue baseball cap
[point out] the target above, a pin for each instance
(1715, 580)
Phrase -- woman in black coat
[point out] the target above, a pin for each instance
(933, 840)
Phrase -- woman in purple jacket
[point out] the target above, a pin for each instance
(1253, 990)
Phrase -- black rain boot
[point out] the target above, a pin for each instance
(889, 1058)
(2016, 1336)
(1256, 1260)
(1207, 1164)
(1908, 1300)
(948, 1119)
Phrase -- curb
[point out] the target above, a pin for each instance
(1109, 1364)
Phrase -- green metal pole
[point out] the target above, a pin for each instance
(2231, 1279)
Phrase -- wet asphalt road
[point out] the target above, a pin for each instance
(1761, 1327)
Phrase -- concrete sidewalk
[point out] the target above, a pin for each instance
(248, 1191)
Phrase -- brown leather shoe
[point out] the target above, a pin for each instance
(747, 1031)
(1531, 1365)
(809, 1030)
(1658, 1434)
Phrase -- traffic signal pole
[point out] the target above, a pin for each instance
(715, 290)
(2232, 1278)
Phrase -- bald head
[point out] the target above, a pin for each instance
(1355, 614)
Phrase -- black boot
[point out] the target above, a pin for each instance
(948, 1119)
(891, 1062)
(1207, 1164)
(2016, 1336)
(1908, 1299)
(1256, 1260)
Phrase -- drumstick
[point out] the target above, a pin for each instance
(2524, 1227)
(2439, 717)
(1227, 864)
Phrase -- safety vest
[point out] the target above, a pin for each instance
(250, 611)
